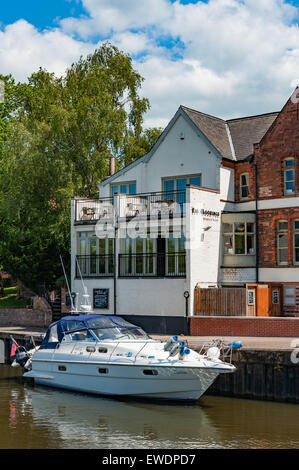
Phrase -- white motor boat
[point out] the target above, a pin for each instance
(107, 355)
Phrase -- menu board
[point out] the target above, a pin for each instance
(100, 298)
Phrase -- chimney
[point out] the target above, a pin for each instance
(111, 165)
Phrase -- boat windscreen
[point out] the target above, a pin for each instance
(72, 325)
(100, 322)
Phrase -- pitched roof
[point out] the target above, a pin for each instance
(248, 131)
(213, 128)
(233, 138)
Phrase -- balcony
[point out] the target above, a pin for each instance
(146, 205)
(94, 266)
(152, 265)
(148, 265)
(89, 211)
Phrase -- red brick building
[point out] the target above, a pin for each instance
(267, 183)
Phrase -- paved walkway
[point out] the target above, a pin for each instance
(248, 342)
(194, 342)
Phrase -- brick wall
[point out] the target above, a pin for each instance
(25, 317)
(229, 326)
(267, 227)
(280, 142)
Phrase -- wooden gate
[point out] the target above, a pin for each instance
(225, 301)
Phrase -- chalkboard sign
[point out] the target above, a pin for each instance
(100, 298)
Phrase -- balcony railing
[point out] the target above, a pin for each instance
(95, 266)
(152, 265)
(163, 204)
(154, 205)
(91, 210)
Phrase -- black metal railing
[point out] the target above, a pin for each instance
(157, 204)
(152, 265)
(164, 204)
(95, 265)
(91, 210)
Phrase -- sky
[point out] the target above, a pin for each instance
(228, 58)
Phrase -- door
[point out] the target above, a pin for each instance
(262, 301)
(276, 301)
(161, 250)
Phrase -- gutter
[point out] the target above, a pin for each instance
(256, 224)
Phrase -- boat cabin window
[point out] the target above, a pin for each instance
(120, 333)
(53, 335)
(83, 335)
(74, 325)
(100, 322)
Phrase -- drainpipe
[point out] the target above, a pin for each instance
(256, 224)
(115, 245)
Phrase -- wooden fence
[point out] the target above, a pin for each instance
(226, 301)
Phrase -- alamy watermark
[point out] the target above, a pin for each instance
(295, 352)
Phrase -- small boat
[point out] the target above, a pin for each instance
(106, 355)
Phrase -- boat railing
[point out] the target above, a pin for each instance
(219, 347)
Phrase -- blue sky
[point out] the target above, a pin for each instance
(228, 58)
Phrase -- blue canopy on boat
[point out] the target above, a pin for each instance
(73, 323)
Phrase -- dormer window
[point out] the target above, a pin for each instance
(244, 186)
(289, 176)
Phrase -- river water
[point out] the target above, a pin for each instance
(41, 418)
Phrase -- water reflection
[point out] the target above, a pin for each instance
(36, 417)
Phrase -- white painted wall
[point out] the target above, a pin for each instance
(140, 296)
(205, 247)
(174, 157)
(279, 274)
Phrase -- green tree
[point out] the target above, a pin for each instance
(57, 145)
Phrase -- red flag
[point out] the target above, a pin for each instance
(13, 348)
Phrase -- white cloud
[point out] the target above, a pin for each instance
(23, 49)
(225, 57)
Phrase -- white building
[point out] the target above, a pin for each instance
(167, 215)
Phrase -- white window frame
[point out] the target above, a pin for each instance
(244, 185)
(122, 183)
(295, 232)
(278, 248)
(233, 235)
(289, 299)
(286, 169)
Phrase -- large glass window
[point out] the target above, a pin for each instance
(296, 242)
(175, 188)
(289, 176)
(282, 242)
(239, 238)
(244, 186)
(95, 255)
(123, 188)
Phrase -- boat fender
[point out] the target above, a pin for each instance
(236, 345)
(213, 352)
(184, 351)
(170, 342)
(174, 350)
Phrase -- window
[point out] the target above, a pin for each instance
(244, 186)
(282, 242)
(289, 297)
(251, 297)
(239, 238)
(175, 188)
(123, 188)
(95, 255)
(275, 297)
(289, 176)
(296, 242)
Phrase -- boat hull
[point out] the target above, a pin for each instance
(169, 383)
